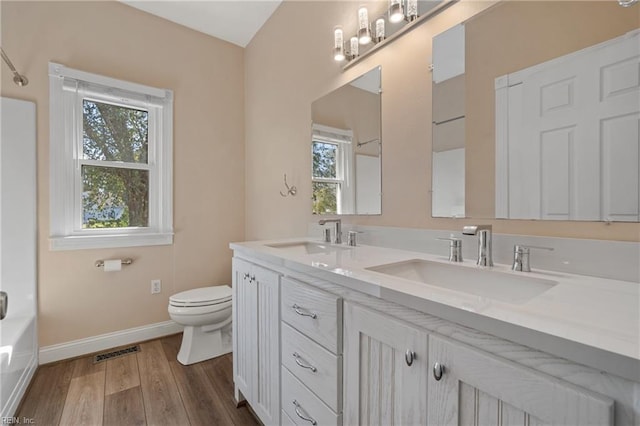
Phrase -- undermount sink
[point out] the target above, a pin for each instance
(502, 286)
(307, 247)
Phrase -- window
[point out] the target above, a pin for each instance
(111, 162)
(331, 159)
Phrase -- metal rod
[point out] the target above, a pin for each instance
(369, 141)
(127, 261)
(18, 79)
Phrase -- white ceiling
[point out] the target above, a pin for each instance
(235, 21)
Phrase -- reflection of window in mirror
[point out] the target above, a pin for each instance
(331, 159)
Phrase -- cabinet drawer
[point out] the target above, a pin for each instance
(315, 313)
(326, 380)
(299, 403)
(286, 420)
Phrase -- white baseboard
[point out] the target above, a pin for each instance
(107, 341)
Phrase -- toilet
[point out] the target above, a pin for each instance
(205, 314)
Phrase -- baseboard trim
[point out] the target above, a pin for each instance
(15, 399)
(101, 342)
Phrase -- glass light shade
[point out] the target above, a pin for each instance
(379, 30)
(354, 46)
(412, 9)
(396, 12)
(338, 45)
(364, 35)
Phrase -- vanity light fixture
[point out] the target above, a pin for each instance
(364, 34)
(396, 11)
(338, 44)
(399, 18)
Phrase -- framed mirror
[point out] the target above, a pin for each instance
(542, 102)
(346, 148)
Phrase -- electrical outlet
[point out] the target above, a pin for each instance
(156, 286)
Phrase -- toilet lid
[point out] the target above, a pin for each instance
(203, 296)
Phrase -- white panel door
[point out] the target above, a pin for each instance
(380, 387)
(478, 388)
(573, 135)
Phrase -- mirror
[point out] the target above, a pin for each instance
(536, 113)
(346, 148)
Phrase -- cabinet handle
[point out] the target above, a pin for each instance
(302, 416)
(252, 279)
(298, 358)
(304, 314)
(409, 356)
(246, 275)
(438, 371)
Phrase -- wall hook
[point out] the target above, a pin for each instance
(291, 190)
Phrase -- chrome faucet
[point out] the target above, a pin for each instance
(484, 242)
(338, 223)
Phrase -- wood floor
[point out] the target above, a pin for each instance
(146, 388)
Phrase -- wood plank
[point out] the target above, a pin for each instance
(85, 400)
(44, 401)
(159, 391)
(122, 374)
(201, 401)
(220, 372)
(85, 366)
(171, 345)
(124, 408)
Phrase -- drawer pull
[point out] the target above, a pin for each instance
(302, 416)
(304, 314)
(298, 358)
(409, 356)
(438, 371)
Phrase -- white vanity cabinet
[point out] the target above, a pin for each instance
(468, 386)
(385, 365)
(256, 339)
(314, 348)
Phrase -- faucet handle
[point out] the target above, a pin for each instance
(521, 257)
(455, 248)
(521, 248)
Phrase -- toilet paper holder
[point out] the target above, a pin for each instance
(127, 261)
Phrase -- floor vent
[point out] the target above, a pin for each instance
(116, 354)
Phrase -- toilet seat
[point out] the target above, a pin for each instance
(201, 297)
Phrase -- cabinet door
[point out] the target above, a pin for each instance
(477, 388)
(380, 386)
(245, 337)
(266, 402)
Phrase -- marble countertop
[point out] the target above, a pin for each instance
(593, 321)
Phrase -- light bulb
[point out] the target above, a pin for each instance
(396, 12)
(338, 45)
(364, 36)
(379, 30)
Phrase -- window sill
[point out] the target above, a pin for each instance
(109, 241)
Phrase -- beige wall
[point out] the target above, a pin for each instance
(77, 300)
(535, 32)
(289, 64)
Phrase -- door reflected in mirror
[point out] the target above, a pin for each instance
(346, 148)
(536, 110)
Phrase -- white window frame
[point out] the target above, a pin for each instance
(67, 89)
(344, 163)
